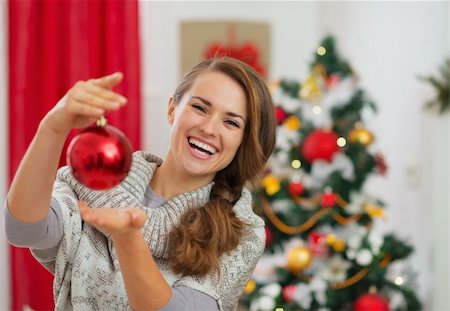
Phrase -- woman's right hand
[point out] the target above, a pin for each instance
(84, 103)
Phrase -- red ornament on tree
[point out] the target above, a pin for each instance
(371, 302)
(318, 244)
(296, 188)
(280, 115)
(288, 292)
(269, 236)
(320, 144)
(328, 199)
(100, 156)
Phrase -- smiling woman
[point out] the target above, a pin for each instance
(176, 234)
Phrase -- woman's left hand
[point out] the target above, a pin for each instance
(112, 221)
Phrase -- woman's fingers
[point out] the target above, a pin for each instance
(91, 94)
(109, 81)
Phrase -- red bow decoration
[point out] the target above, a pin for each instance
(247, 53)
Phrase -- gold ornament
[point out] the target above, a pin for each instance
(310, 89)
(292, 123)
(271, 184)
(299, 258)
(250, 287)
(374, 211)
(360, 135)
(339, 245)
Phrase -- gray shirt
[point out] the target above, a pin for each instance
(48, 233)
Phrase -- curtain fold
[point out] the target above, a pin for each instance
(53, 44)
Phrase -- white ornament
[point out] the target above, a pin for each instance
(364, 257)
(272, 290)
(302, 296)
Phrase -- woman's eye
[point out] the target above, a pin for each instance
(199, 108)
(233, 123)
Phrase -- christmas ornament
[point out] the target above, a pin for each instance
(381, 163)
(328, 199)
(280, 115)
(318, 244)
(299, 258)
(333, 80)
(296, 188)
(271, 184)
(100, 156)
(371, 302)
(292, 123)
(288, 292)
(360, 135)
(320, 144)
(310, 89)
(250, 287)
(269, 236)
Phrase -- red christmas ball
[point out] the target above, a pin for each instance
(269, 236)
(296, 188)
(100, 157)
(320, 144)
(280, 115)
(371, 302)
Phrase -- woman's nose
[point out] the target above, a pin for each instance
(210, 126)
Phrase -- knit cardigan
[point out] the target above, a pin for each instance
(85, 265)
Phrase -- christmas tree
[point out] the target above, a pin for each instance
(321, 252)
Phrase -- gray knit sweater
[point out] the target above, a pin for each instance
(85, 264)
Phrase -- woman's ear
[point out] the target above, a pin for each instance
(171, 110)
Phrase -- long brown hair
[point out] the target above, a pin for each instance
(205, 233)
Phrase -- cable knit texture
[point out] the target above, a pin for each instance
(85, 264)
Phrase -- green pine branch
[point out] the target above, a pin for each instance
(442, 85)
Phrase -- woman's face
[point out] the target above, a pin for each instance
(207, 125)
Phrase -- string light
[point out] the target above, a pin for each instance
(296, 164)
(399, 281)
(321, 50)
(317, 109)
(341, 142)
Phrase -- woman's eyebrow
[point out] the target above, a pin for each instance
(208, 103)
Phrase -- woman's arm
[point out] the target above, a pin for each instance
(145, 285)
(30, 192)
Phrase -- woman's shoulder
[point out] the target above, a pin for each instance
(244, 210)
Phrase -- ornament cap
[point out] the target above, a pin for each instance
(102, 121)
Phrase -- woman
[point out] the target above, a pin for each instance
(178, 234)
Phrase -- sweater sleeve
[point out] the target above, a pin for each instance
(45, 234)
(64, 196)
(188, 299)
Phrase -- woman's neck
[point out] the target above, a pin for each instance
(169, 182)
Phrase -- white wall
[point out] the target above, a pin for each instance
(4, 254)
(389, 44)
(160, 50)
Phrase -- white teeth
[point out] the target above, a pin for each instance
(204, 146)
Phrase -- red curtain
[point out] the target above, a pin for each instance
(53, 44)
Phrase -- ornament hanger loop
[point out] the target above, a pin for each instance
(102, 121)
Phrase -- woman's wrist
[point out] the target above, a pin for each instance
(128, 239)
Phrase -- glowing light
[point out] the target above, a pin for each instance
(317, 109)
(399, 280)
(279, 309)
(341, 142)
(296, 164)
(321, 50)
